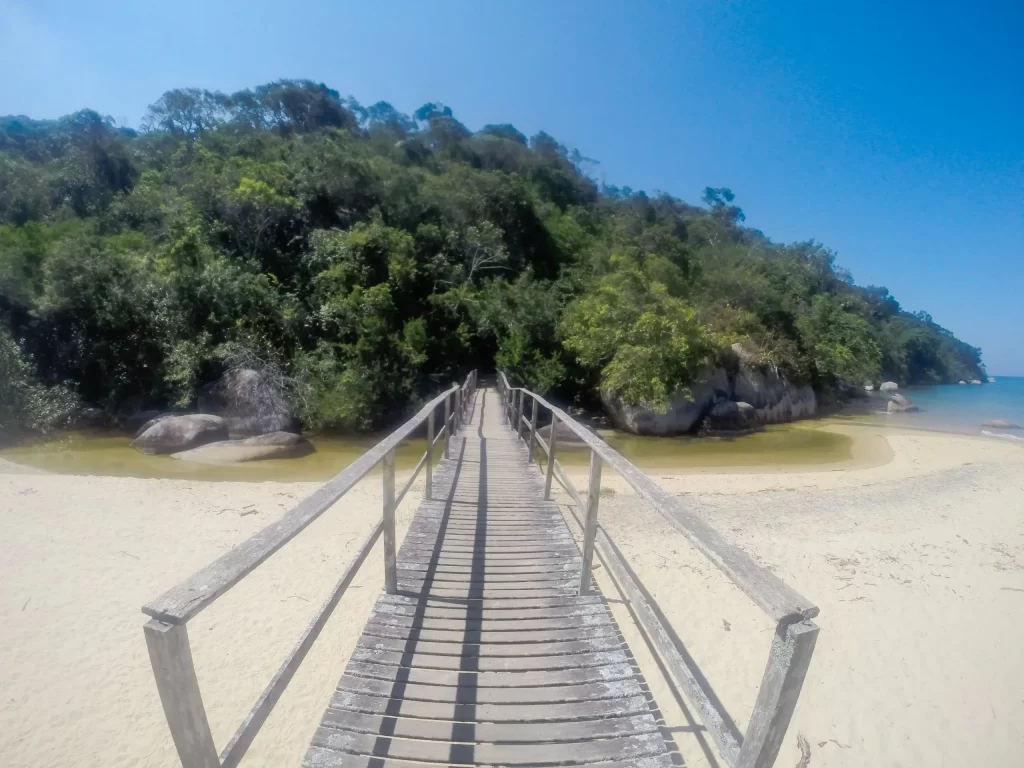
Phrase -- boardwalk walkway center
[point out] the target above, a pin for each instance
(490, 643)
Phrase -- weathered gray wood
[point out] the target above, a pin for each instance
(457, 694)
(171, 657)
(790, 656)
(318, 757)
(533, 432)
(549, 449)
(490, 663)
(429, 633)
(590, 522)
(492, 713)
(491, 679)
(182, 602)
(499, 733)
(428, 490)
(390, 567)
(242, 739)
(768, 591)
(627, 747)
(447, 427)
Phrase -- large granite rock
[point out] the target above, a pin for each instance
(274, 445)
(684, 414)
(180, 433)
(250, 402)
(975, 381)
(888, 386)
(730, 417)
(775, 399)
(899, 404)
(740, 378)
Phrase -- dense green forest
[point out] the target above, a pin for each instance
(369, 257)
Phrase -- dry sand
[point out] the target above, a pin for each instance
(916, 563)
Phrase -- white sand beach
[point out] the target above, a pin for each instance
(917, 564)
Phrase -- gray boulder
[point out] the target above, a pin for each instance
(888, 386)
(274, 445)
(775, 399)
(684, 414)
(93, 418)
(180, 433)
(1001, 424)
(869, 387)
(975, 381)
(250, 402)
(900, 404)
(991, 380)
(961, 382)
(730, 417)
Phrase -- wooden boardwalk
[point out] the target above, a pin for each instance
(487, 655)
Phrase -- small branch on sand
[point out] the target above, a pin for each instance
(129, 554)
(26, 604)
(1012, 589)
(805, 751)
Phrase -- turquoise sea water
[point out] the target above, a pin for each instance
(964, 408)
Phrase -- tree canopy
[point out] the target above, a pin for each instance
(374, 256)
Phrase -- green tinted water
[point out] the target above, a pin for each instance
(80, 453)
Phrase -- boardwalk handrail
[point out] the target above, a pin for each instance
(166, 634)
(795, 633)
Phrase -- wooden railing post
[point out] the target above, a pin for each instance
(390, 568)
(176, 681)
(429, 483)
(533, 430)
(447, 425)
(790, 656)
(458, 409)
(590, 524)
(522, 412)
(551, 457)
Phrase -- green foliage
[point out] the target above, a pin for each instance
(647, 342)
(371, 257)
(26, 405)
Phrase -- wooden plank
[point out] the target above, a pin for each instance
(471, 694)
(185, 600)
(171, 657)
(790, 656)
(318, 757)
(491, 733)
(473, 593)
(489, 663)
(517, 605)
(492, 713)
(491, 679)
(599, 624)
(487, 637)
(568, 753)
(470, 649)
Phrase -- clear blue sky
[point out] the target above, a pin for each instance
(891, 132)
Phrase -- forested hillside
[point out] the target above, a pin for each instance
(370, 257)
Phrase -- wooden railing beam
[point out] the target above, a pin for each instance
(178, 686)
(390, 562)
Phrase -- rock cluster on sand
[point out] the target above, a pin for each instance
(740, 377)
(244, 418)
(171, 434)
